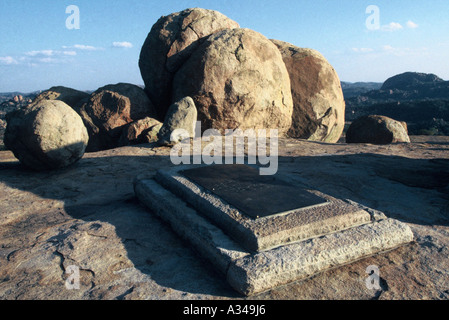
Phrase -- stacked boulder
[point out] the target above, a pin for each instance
(318, 102)
(198, 64)
(110, 109)
(169, 44)
(237, 78)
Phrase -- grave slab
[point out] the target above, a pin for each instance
(297, 257)
(280, 211)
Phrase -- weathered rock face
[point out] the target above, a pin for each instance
(180, 115)
(110, 109)
(377, 130)
(318, 102)
(169, 44)
(86, 216)
(237, 79)
(72, 97)
(140, 131)
(46, 135)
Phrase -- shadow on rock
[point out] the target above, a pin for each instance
(97, 194)
(411, 190)
(97, 207)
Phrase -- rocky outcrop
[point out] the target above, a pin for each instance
(377, 130)
(318, 102)
(237, 79)
(88, 217)
(110, 109)
(140, 131)
(181, 115)
(406, 80)
(46, 135)
(72, 97)
(169, 44)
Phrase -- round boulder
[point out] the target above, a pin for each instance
(376, 130)
(46, 135)
(169, 44)
(318, 102)
(110, 109)
(237, 79)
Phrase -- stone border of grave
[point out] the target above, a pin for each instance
(250, 272)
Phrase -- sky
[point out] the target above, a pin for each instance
(42, 45)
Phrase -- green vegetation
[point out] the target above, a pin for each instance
(423, 117)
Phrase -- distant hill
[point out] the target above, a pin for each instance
(6, 96)
(410, 80)
(354, 89)
(10, 101)
(421, 100)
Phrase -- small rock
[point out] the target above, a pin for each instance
(140, 131)
(180, 115)
(47, 135)
(377, 130)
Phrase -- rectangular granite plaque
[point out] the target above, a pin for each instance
(254, 195)
(259, 212)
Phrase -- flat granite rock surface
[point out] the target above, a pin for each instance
(88, 216)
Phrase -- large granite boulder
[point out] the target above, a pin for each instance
(46, 135)
(377, 130)
(72, 97)
(110, 109)
(318, 102)
(237, 79)
(170, 42)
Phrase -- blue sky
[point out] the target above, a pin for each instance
(38, 51)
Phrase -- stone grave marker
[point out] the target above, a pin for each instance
(265, 231)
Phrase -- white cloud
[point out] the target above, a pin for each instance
(50, 53)
(412, 25)
(362, 50)
(35, 53)
(8, 60)
(48, 60)
(37, 57)
(82, 47)
(69, 53)
(392, 26)
(123, 44)
(402, 52)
